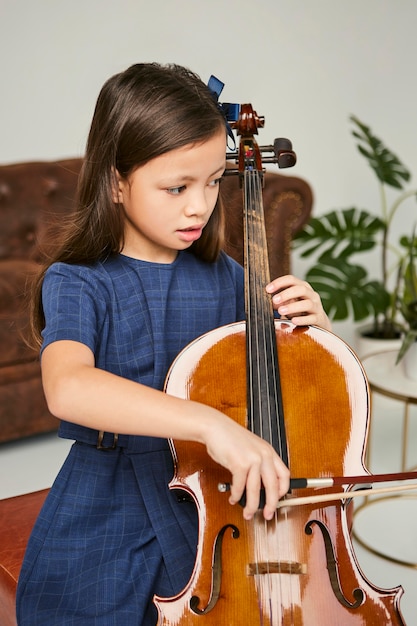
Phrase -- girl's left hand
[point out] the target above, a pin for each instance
(296, 300)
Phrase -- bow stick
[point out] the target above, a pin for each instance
(343, 495)
(331, 481)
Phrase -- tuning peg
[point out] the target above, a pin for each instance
(284, 153)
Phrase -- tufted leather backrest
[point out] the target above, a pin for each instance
(33, 196)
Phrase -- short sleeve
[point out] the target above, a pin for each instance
(72, 305)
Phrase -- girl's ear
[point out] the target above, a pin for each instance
(117, 187)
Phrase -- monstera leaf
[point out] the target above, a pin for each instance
(339, 234)
(345, 289)
(385, 163)
(336, 239)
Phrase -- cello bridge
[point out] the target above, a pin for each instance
(276, 567)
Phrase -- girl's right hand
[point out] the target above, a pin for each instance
(252, 462)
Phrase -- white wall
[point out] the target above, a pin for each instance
(305, 65)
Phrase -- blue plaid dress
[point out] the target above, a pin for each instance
(111, 534)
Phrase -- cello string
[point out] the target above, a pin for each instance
(265, 341)
(276, 418)
(263, 311)
(250, 382)
(260, 280)
(284, 528)
(264, 372)
(253, 406)
(265, 578)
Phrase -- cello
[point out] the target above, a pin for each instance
(306, 393)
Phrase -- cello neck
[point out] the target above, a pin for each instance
(264, 399)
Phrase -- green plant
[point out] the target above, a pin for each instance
(338, 237)
(407, 295)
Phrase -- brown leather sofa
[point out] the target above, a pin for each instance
(33, 199)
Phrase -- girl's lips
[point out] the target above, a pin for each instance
(190, 234)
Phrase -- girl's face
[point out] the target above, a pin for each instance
(168, 201)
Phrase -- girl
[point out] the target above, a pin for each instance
(139, 275)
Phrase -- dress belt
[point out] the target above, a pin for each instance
(111, 441)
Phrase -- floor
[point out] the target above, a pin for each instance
(390, 525)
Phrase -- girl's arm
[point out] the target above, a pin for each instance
(79, 392)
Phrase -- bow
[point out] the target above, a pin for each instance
(230, 110)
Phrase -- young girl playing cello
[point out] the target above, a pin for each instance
(139, 275)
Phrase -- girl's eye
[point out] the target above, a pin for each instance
(175, 191)
(216, 182)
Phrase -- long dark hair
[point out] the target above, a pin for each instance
(141, 113)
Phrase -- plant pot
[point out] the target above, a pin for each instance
(409, 362)
(366, 344)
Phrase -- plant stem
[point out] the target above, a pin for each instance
(386, 221)
(388, 216)
(400, 200)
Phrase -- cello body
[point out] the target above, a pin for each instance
(298, 569)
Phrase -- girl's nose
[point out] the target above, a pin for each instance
(197, 204)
